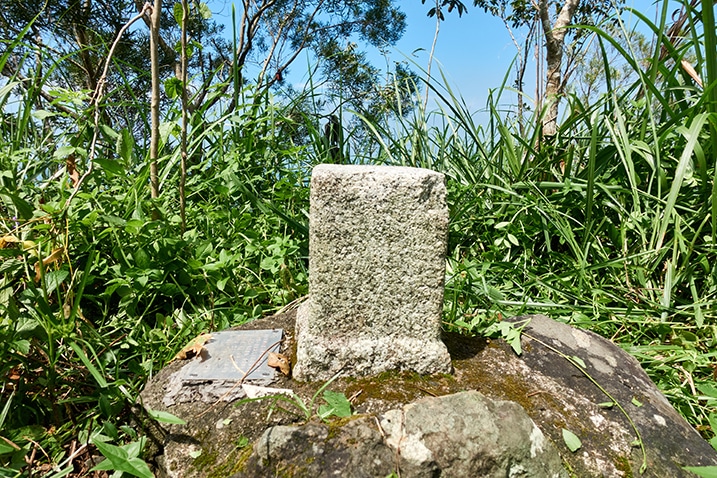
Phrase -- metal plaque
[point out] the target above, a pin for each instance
(235, 354)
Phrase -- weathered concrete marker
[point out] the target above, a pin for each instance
(377, 246)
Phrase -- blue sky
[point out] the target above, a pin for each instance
(474, 51)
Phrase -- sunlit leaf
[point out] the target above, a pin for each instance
(118, 459)
(42, 114)
(707, 389)
(338, 402)
(204, 11)
(703, 471)
(124, 145)
(165, 417)
(571, 440)
(178, 13)
(578, 361)
(53, 279)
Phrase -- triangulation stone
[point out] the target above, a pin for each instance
(377, 246)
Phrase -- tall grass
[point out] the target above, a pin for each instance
(97, 295)
(610, 227)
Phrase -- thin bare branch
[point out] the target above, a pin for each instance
(97, 99)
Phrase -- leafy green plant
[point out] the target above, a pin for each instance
(510, 332)
(124, 459)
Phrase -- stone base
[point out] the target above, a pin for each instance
(320, 357)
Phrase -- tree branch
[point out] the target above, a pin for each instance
(96, 99)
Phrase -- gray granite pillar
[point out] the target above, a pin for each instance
(376, 273)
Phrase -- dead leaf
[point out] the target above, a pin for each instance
(194, 348)
(11, 444)
(690, 70)
(279, 361)
(8, 241)
(54, 257)
(72, 170)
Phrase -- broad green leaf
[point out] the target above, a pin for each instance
(173, 87)
(118, 459)
(110, 166)
(21, 346)
(495, 294)
(513, 338)
(64, 151)
(141, 259)
(54, 278)
(10, 265)
(24, 208)
(109, 132)
(204, 11)
(178, 13)
(703, 471)
(338, 402)
(325, 411)
(712, 418)
(167, 128)
(134, 448)
(571, 440)
(165, 417)
(124, 145)
(137, 467)
(6, 447)
(222, 283)
(708, 390)
(42, 114)
(636, 402)
(114, 454)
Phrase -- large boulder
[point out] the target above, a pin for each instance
(498, 414)
(462, 434)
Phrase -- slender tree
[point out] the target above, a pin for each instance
(554, 17)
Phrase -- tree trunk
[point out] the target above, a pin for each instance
(154, 101)
(554, 41)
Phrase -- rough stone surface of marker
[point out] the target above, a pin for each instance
(377, 245)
